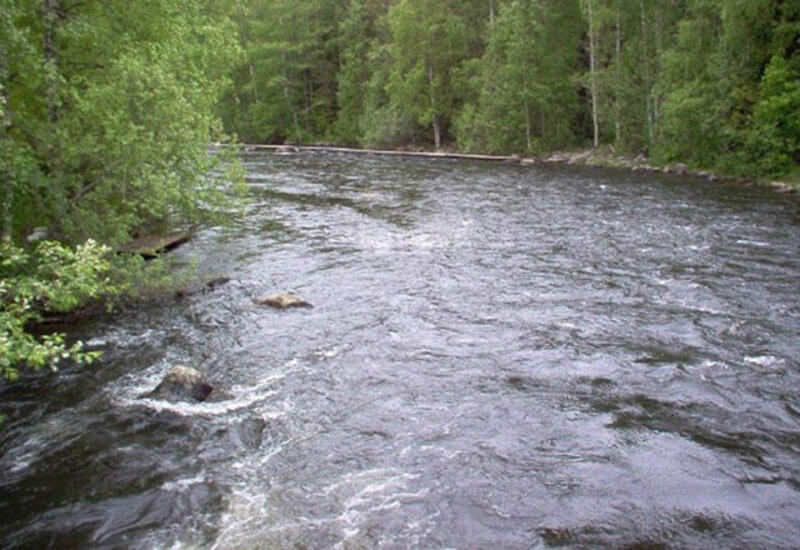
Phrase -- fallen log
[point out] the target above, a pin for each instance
(381, 152)
(151, 246)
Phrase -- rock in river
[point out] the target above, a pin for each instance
(183, 384)
(282, 300)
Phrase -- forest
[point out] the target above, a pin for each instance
(712, 83)
(108, 107)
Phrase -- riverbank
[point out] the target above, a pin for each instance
(603, 157)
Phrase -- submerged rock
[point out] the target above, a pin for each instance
(282, 300)
(208, 286)
(183, 384)
(250, 432)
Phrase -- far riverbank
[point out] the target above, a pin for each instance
(604, 157)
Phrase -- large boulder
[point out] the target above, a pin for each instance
(282, 300)
(183, 384)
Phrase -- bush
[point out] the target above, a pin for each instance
(52, 277)
(774, 140)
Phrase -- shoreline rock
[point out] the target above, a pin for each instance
(607, 159)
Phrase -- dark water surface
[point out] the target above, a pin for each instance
(499, 357)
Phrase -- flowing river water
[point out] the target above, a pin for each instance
(499, 357)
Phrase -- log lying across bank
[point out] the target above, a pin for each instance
(585, 157)
(422, 154)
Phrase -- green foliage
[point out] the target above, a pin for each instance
(773, 143)
(730, 93)
(53, 278)
(381, 123)
(355, 33)
(527, 96)
(689, 80)
(109, 111)
(286, 84)
(429, 39)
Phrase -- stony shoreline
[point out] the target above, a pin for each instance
(641, 163)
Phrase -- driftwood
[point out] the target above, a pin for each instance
(151, 246)
(422, 154)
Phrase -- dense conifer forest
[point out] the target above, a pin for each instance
(712, 83)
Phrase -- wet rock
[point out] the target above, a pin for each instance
(218, 281)
(250, 432)
(581, 157)
(205, 287)
(780, 187)
(517, 382)
(557, 158)
(183, 384)
(247, 433)
(681, 169)
(282, 300)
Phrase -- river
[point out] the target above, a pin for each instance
(498, 357)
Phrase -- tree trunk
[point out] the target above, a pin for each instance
(491, 12)
(252, 71)
(647, 82)
(50, 10)
(292, 110)
(437, 123)
(52, 80)
(5, 143)
(593, 78)
(527, 126)
(287, 95)
(656, 107)
(617, 101)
